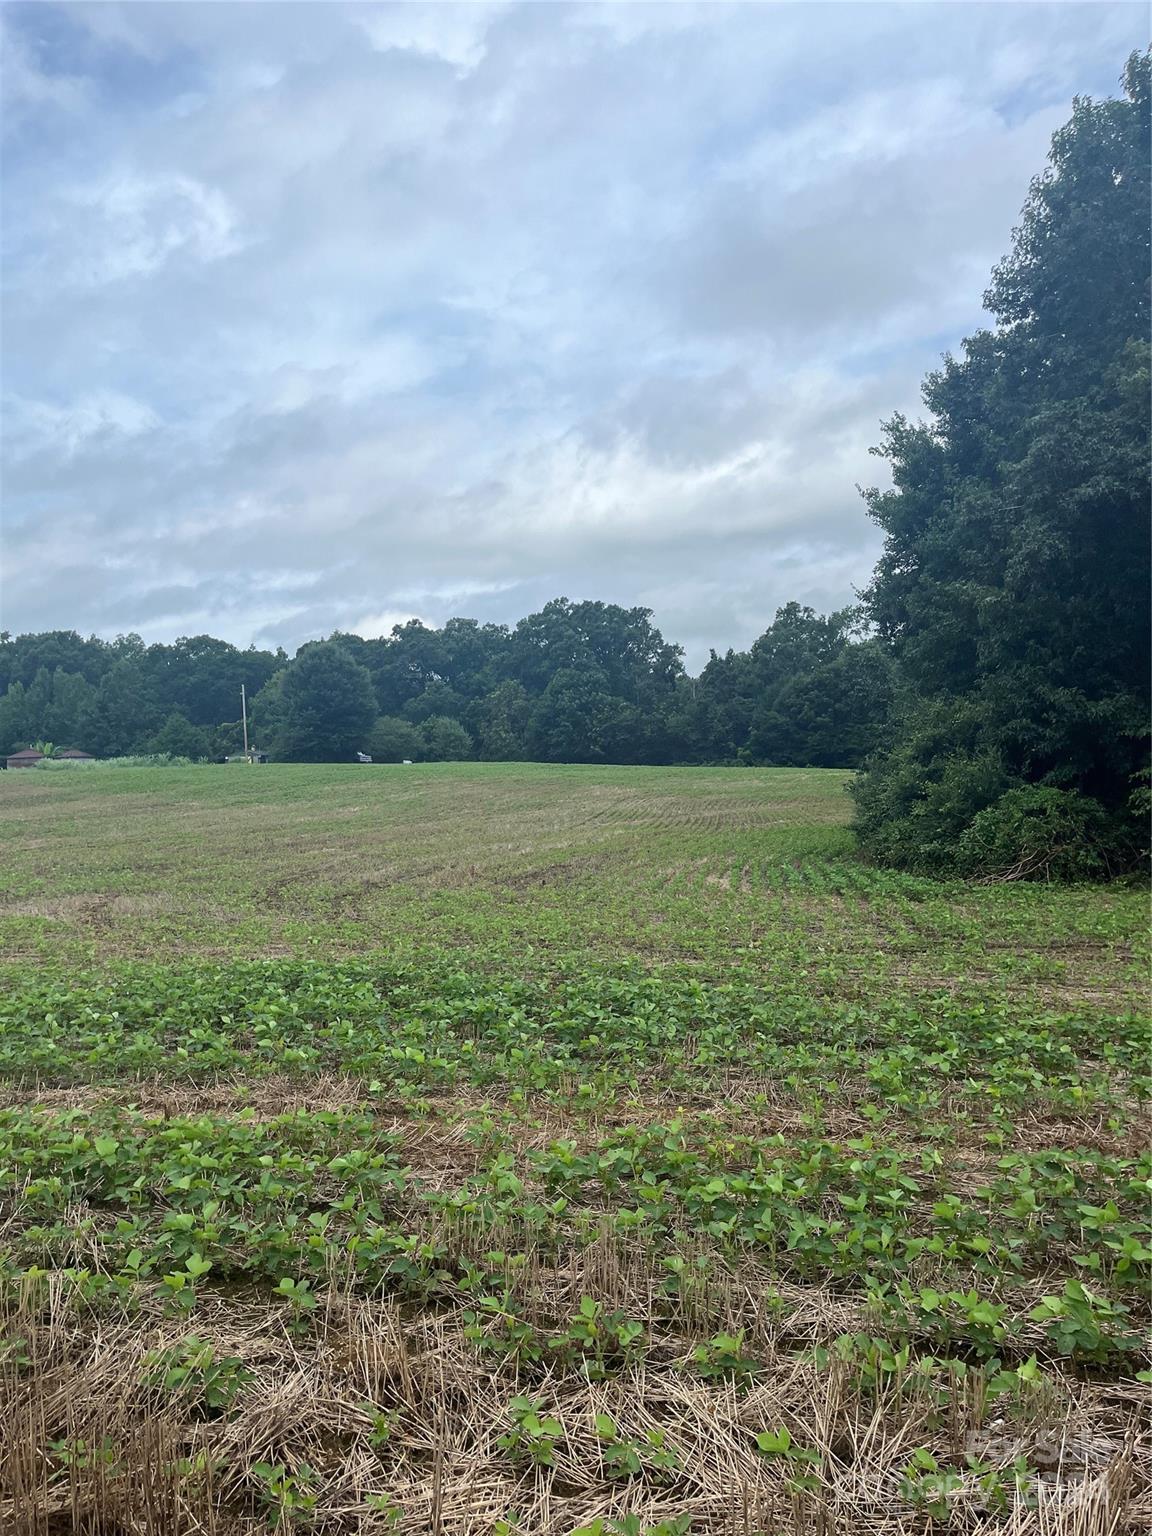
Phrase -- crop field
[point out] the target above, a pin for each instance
(508, 1149)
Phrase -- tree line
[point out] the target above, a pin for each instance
(579, 682)
(1013, 589)
(993, 684)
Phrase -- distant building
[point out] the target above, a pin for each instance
(26, 759)
(74, 755)
(362, 757)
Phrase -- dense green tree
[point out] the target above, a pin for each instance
(178, 737)
(17, 727)
(798, 640)
(800, 695)
(687, 727)
(72, 696)
(198, 677)
(39, 700)
(127, 647)
(437, 699)
(51, 708)
(473, 656)
(722, 705)
(227, 738)
(393, 739)
(445, 740)
(265, 720)
(499, 722)
(1013, 586)
(124, 711)
(201, 677)
(404, 665)
(578, 720)
(327, 706)
(635, 661)
(831, 716)
(798, 645)
(22, 656)
(576, 681)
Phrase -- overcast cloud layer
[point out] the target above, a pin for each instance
(323, 317)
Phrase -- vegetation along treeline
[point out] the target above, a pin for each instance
(576, 682)
(995, 680)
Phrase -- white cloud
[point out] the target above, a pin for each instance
(33, 426)
(452, 592)
(372, 625)
(453, 32)
(136, 223)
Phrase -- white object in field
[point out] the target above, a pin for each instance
(407, 762)
(362, 757)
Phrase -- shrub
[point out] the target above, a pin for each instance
(139, 760)
(913, 805)
(1040, 833)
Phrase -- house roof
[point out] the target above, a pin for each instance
(74, 752)
(28, 752)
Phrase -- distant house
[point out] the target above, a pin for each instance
(26, 759)
(74, 755)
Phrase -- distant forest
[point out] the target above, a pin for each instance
(994, 683)
(575, 683)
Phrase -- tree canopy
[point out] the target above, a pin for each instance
(1013, 585)
(326, 706)
(576, 682)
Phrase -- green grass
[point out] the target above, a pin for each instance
(745, 869)
(481, 1143)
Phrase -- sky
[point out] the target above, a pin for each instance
(320, 316)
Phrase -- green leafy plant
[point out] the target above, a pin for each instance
(632, 1525)
(723, 1355)
(600, 1341)
(534, 1435)
(83, 1454)
(779, 1442)
(926, 1486)
(301, 1301)
(1085, 1325)
(193, 1370)
(289, 1495)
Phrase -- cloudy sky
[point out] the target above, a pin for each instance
(324, 316)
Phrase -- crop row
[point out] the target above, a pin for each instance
(300, 1200)
(406, 1029)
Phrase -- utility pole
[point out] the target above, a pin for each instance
(244, 716)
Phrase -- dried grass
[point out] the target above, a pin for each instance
(173, 1471)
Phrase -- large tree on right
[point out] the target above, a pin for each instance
(1014, 584)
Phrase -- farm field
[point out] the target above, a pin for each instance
(499, 1148)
